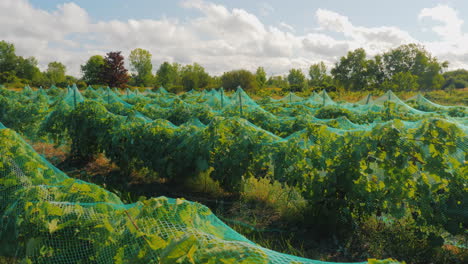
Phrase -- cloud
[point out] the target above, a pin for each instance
(451, 24)
(287, 26)
(219, 38)
(373, 39)
(452, 43)
(324, 46)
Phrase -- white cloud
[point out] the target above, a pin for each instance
(452, 24)
(452, 43)
(219, 38)
(286, 26)
(373, 39)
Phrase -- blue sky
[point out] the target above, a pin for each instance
(297, 13)
(225, 35)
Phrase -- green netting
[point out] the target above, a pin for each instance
(366, 100)
(73, 96)
(48, 217)
(304, 143)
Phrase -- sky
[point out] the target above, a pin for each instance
(224, 35)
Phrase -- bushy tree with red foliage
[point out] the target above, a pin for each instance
(114, 73)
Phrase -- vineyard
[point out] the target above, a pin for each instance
(339, 163)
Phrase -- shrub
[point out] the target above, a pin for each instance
(286, 200)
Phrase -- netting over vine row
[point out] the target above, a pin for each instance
(403, 159)
(47, 217)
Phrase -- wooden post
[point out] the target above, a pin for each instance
(222, 98)
(368, 99)
(74, 98)
(240, 103)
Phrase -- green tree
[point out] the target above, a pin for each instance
(416, 60)
(140, 62)
(260, 76)
(93, 70)
(296, 80)
(56, 72)
(194, 77)
(27, 68)
(318, 75)
(457, 79)
(401, 81)
(243, 78)
(375, 73)
(8, 57)
(278, 81)
(70, 80)
(352, 71)
(168, 74)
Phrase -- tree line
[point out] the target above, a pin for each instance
(405, 68)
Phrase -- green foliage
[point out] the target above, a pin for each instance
(400, 238)
(455, 79)
(7, 57)
(16, 70)
(260, 76)
(353, 71)
(56, 73)
(319, 76)
(203, 183)
(278, 81)
(93, 70)
(27, 69)
(401, 81)
(414, 59)
(296, 80)
(285, 200)
(408, 66)
(243, 78)
(349, 162)
(194, 77)
(168, 74)
(58, 219)
(24, 114)
(140, 61)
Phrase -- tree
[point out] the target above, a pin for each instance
(70, 80)
(27, 69)
(318, 75)
(401, 81)
(260, 76)
(194, 77)
(278, 81)
(352, 71)
(114, 73)
(456, 79)
(93, 70)
(416, 60)
(140, 62)
(7, 57)
(243, 78)
(168, 74)
(56, 72)
(296, 80)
